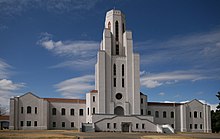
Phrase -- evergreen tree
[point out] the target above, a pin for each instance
(215, 117)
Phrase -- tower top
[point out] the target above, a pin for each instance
(114, 12)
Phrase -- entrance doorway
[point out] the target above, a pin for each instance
(125, 127)
(119, 110)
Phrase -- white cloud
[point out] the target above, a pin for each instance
(7, 88)
(76, 87)
(150, 80)
(161, 94)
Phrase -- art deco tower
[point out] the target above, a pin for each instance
(117, 69)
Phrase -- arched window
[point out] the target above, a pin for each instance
(109, 25)
(117, 49)
(28, 109)
(54, 111)
(114, 70)
(116, 30)
(123, 70)
(157, 114)
(164, 114)
(172, 114)
(71, 111)
(195, 114)
(63, 111)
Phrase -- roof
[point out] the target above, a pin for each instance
(4, 117)
(163, 104)
(94, 91)
(64, 100)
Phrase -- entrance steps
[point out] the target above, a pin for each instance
(88, 127)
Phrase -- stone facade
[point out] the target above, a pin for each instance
(116, 104)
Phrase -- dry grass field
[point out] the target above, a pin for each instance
(74, 134)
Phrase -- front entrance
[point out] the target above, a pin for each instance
(125, 127)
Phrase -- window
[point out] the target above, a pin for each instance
(114, 70)
(123, 70)
(28, 123)
(29, 109)
(123, 27)
(35, 123)
(149, 113)
(93, 110)
(117, 49)
(81, 112)
(164, 114)
(195, 114)
(35, 110)
(157, 114)
(72, 124)
(172, 114)
(108, 125)
(63, 124)
(115, 125)
(109, 25)
(71, 111)
(93, 98)
(123, 82)
(142, 112)
(21, 123)
(200, 126)
(63, 111)
(142, 100)
(116, 30)
(190, 126)
(172, 125)
(143, 126)
(54, 124)
(54, 111)
(195, 126)
(88, 111)
(114, 82)
(190, 114)
(137, 126)
(200, 114)
(22, 109)
(118, 96)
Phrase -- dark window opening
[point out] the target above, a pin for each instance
(72, 124)
(142, 100)
(54, 111)
(195, 126)
(142, 112)
(164, 114)
(35, 110)
(29, 109)
(88, 111)
(157, 114)
(22, 123)
(22, 109)
(93, 111)
(114, 82)
(172, 125)
(190, 126)
(72, 112)
(195, 114)
(200, 126)
(123, 70)
(81, 112)
(93, 98)
(123, 82)
(63, 111)
(149, 113)
(115, 125)
(114, 70)
(143, 126)
(118, 96)
(172, 114)
(54, 124)
(108, 125)
(116, 30)
(137, 126)
(35, 123)
(28, 123)
(200, 114)
(117, 49)
(63, 124)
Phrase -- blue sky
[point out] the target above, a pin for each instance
(49, 47)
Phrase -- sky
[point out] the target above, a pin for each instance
(49, 47)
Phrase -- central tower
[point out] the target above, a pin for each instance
(117, 69)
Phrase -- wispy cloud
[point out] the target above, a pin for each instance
(152, 80)
(161, 94)
(7, 86)
(11, 8)
(200, 50)
(78, 53)
(76, 87)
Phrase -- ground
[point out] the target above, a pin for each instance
(73, 134)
